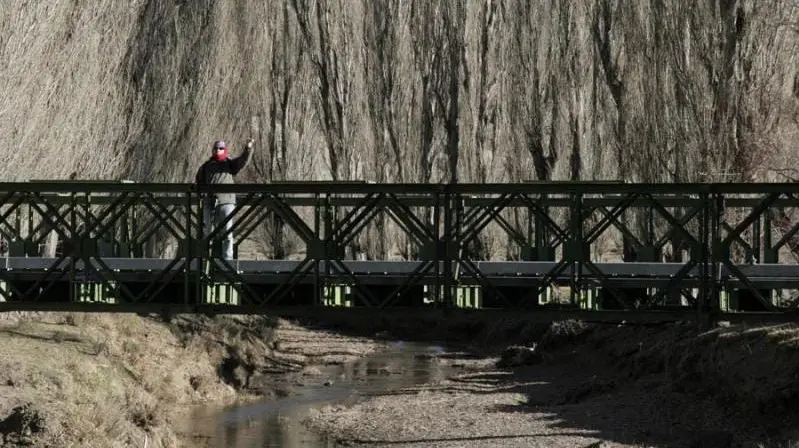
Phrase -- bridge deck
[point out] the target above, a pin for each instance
(252, 286)
(500, 273)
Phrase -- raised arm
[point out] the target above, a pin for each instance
(240, 162)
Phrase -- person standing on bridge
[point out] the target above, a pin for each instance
(220, 169)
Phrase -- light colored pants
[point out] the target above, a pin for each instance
(212, 216)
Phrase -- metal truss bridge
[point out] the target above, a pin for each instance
(692, 251)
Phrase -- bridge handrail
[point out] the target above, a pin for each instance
(323, 187)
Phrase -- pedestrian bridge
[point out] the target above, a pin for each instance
(591, 250)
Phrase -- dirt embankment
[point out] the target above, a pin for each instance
(595, 385)
(105, 381)
(124, 380)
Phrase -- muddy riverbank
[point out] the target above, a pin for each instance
(279, 422)
(124, 380)
(95, 380)
(107, 381)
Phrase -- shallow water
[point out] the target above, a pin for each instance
(278, 423)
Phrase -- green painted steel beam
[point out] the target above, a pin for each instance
(411, 188)
(608, 200)
(562, 221)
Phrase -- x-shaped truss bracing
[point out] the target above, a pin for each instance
(680, 244)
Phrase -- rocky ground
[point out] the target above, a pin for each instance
(587, 386)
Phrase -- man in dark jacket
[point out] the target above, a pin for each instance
(220, 169)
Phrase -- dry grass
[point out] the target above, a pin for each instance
(750, 367)
(105, 381)
(116, 380)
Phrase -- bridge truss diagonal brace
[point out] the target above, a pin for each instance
(722, 245)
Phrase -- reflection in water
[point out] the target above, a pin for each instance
(277, 423)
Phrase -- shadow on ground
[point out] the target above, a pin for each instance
(664, 386)
(421, 324)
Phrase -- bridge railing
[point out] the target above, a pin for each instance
(592, 246)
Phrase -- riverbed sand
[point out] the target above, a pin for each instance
(578, 396)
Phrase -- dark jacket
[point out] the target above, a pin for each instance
(216, 172)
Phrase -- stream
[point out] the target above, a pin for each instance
(278, 423)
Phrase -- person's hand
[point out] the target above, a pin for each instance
(250, 143)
